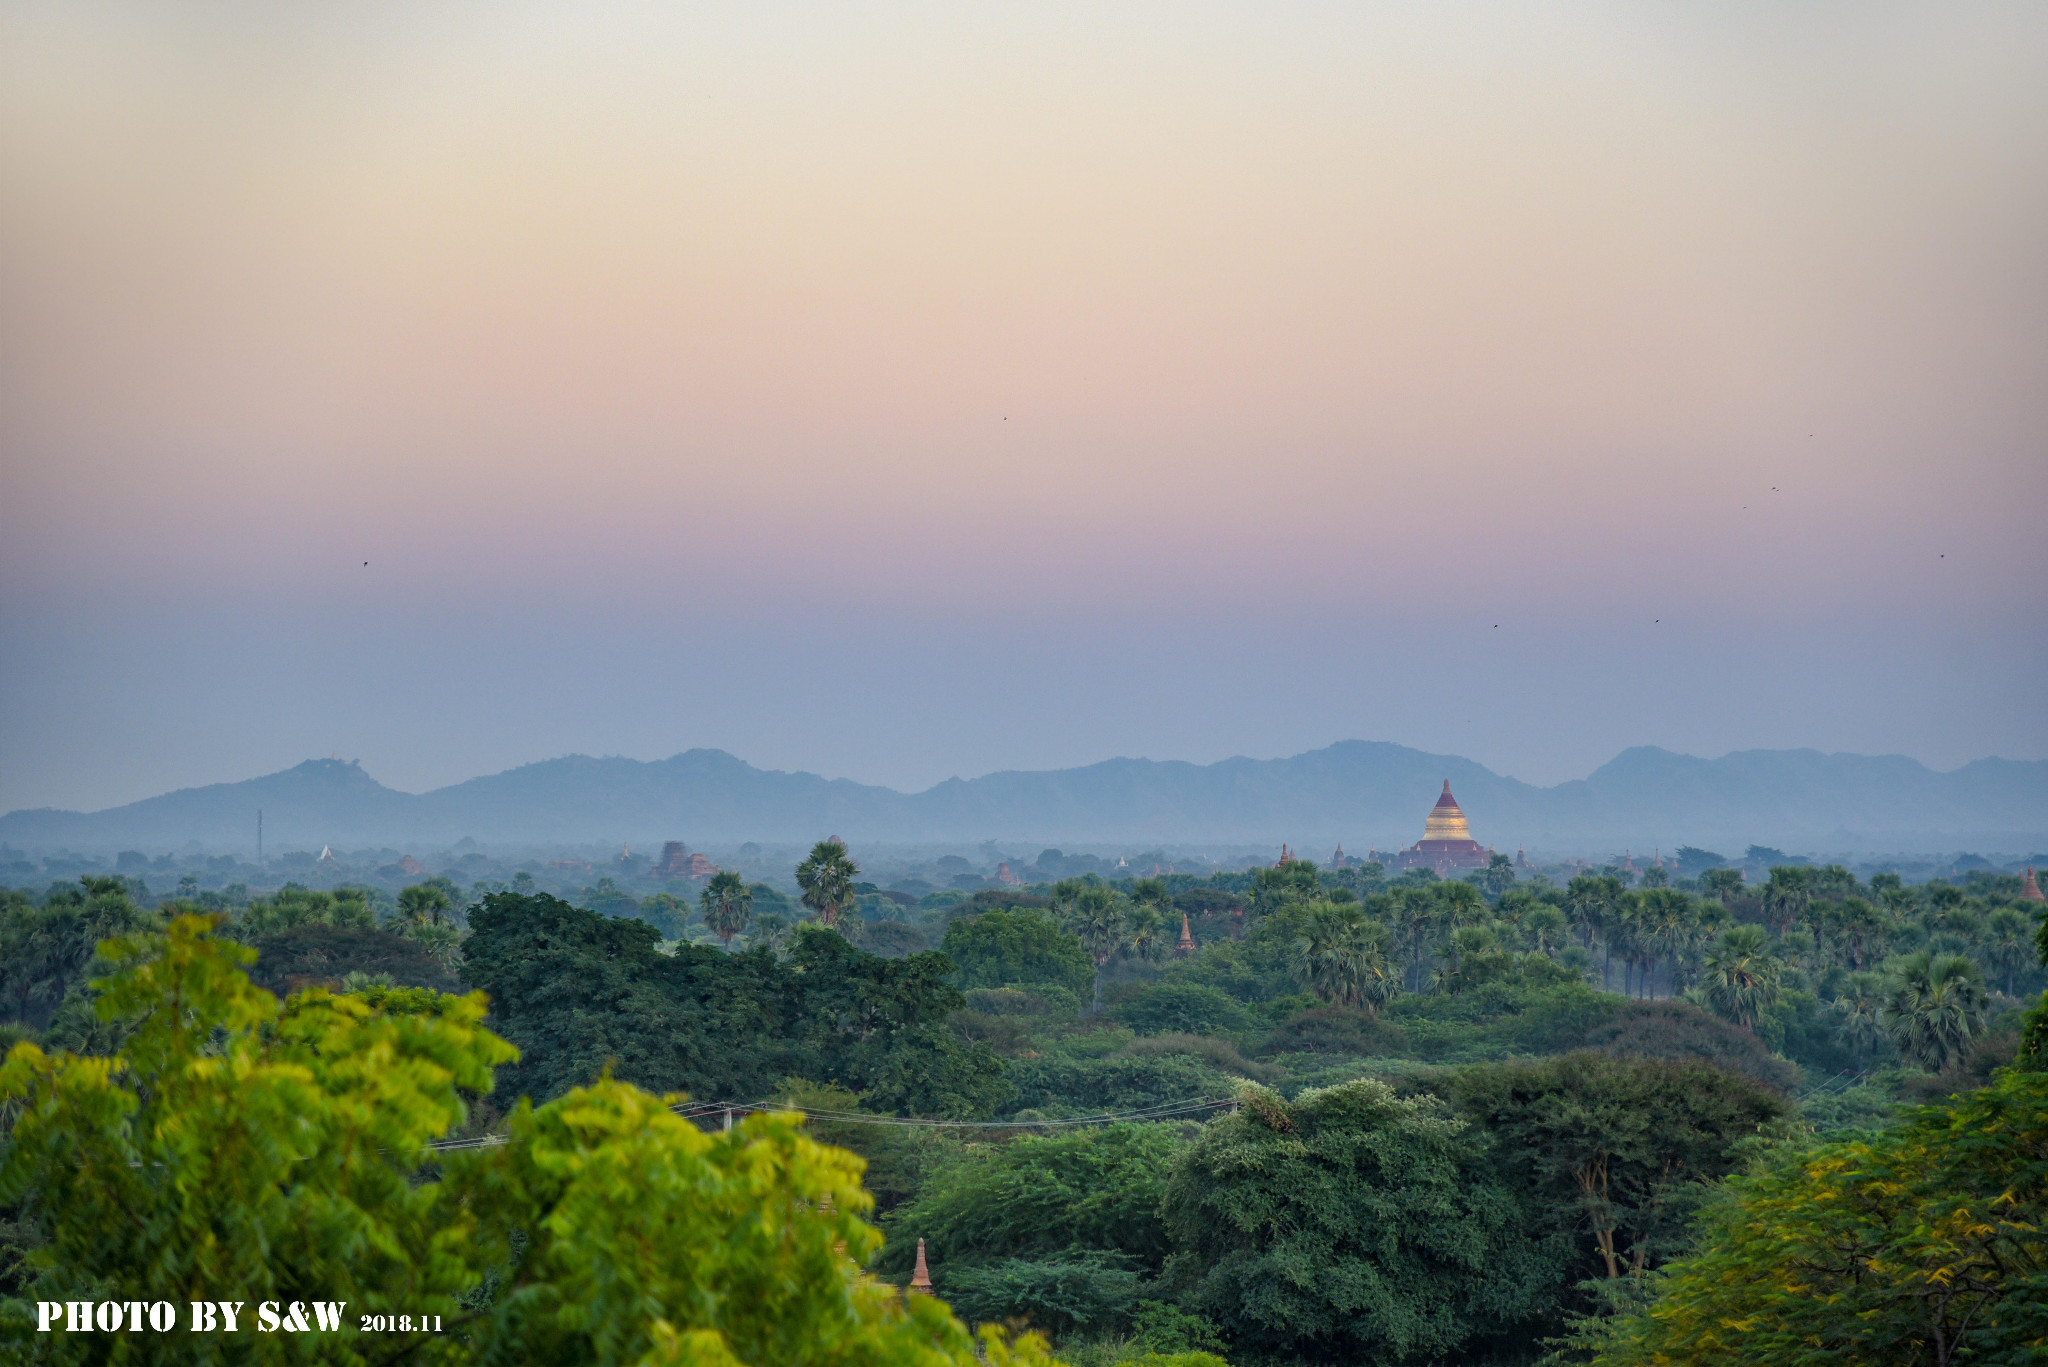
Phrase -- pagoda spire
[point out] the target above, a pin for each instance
(1187, 938)
(2030, 891)
(921, 1276)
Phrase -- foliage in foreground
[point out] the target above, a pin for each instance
(235, 1149)
(1924, 1244)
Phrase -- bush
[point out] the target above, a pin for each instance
(1244, 970)
(312, 954)
(998, 948)
(1680, 1030)
(1072, 1292)
(1024, 999)
(1335, 1030)
(1499, 1019)
(1064, 1085)
(891, 939)
(1219, 1054)
(1181, 1008)
(1039, 1196)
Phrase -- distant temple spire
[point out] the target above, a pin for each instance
(2030, 891)
(921, 1276)
(1286, 858)
(1187, 938)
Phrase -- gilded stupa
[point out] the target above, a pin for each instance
(1446, 842)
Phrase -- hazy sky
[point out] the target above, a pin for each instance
(905, 390)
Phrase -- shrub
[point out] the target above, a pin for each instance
(998, 948)
(1039, 1196)
(1181, 1008)
(1680, 1030)
(1219, 1054)
(1024, 999)
(1064, 1085)
(322, 955)
(1335, 1030)
(1079, 1291)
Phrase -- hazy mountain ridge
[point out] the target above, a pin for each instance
(1364, 793)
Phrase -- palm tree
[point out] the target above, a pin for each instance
(1740, 977)
(1146, 929)
(1860, 927)
(728, 904)
(1464, 950)
(424, 904)
(1546, 929)
(2008, 942)
(1786, 896)
(1594, 902)
(1861, 1007)
(827, 879)
(1098, 917)
(1936, 1005)
(1340, 955)
(1665, 924)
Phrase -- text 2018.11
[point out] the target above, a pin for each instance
(401, 1324)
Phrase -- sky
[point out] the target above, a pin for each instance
(906, 390)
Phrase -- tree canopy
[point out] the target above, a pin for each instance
(273, 1152)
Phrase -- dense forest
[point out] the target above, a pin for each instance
(1283, 1115)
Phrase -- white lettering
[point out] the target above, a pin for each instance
(203, 1321)
(45, 1312)
(163, 1316)
(295, 1319)
(108, 1316)
(329, 1313)
(266, 1318)
(135, 1309)
(78, 1316)
(228, 1311)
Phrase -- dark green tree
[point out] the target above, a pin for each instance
(1001, 948)
(1352, 1225)
(1612, 1149)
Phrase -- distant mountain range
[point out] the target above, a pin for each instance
(1364, 793)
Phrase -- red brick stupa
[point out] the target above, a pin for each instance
(2030, 891)
(1446, 842)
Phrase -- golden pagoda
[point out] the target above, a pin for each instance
(1446, 842)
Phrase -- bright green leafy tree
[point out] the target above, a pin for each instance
(242, 1150)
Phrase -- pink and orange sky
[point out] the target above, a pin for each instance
(906, 390)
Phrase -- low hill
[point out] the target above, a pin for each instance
(1364, 793)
